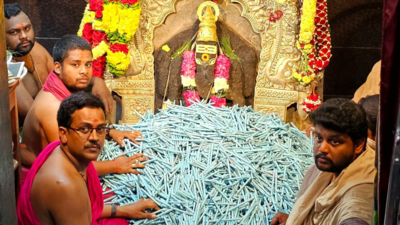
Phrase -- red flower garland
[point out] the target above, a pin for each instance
(321, 54)
(311, 103)
(116, 47)
(98, 36)
(87, 33)
(98, 66)
(130, 2)
(96, 5)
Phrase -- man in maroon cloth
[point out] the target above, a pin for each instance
(63, 187)
(72, 73)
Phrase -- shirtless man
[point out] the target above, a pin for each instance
(65, 172)
(72, 73)
(20, 39)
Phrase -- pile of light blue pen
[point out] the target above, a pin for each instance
(211, 165)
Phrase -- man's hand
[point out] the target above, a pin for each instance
(138, 209)
(119, 136)
(128, 164)
(100, 90)
(279, 219)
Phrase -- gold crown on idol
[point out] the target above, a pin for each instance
(207, 27)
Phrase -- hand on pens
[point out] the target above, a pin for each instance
(279, 218)
(119, 136)
(128, 164)
(138, 209)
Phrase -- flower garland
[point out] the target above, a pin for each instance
(311, 103)
(314, 43)
(109, 25)
(220, 80)
(304, 74)
(321, 53)
(188, 69)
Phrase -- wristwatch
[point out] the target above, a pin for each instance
(113, 210)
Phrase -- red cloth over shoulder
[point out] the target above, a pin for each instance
(26, 215)
(55, 86)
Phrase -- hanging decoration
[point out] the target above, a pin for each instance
(109, 25)
(188, 78)
(315, 44)
(311, 103)
(221, 81)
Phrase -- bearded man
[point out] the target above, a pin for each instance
(20, 39)
(63, 187)
(339, 187)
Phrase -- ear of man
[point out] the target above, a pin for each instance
(62, 131)
(57, 67)
(359, 147)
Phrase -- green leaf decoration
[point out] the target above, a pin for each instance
(225, 43)
(178, 52)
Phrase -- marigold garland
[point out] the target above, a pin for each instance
(108, 25)
(314, 43)
(100, 50)
(307, 24)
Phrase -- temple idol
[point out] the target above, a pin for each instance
(270, 55)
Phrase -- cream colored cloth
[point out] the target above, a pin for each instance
(350, 195)
(371, 143)
(372, 85)
(309, 178)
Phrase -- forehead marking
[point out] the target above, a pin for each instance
(21, 25)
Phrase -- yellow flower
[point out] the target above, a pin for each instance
(280, 1)
(98, 25)
(306, 80)
(111, 17)
(220, 84)
(119, 60)
(128, 21)
(187, 82)
(312, 76)
(308, 46)
(307, 25)
(296, 75)
(306, 37)
(166, 48)
(100, 50)
(80, 31)
(306, 51)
